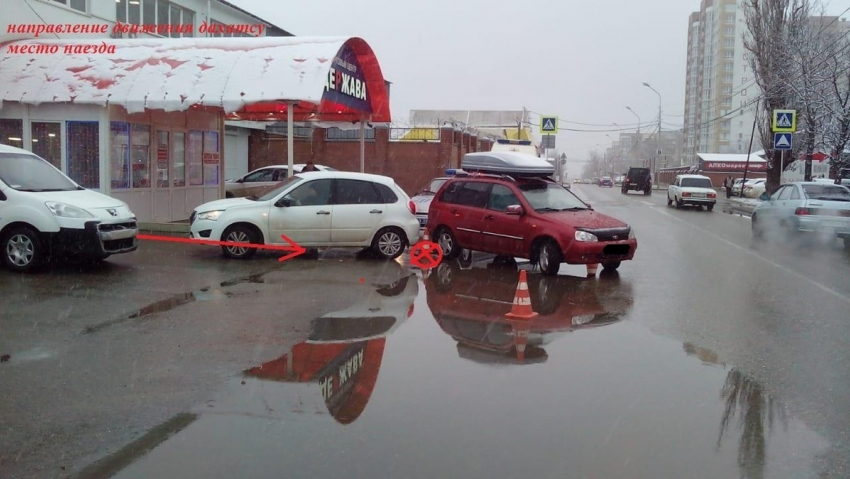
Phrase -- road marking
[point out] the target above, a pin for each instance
(820, 286)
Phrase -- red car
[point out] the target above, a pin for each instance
(528, 217)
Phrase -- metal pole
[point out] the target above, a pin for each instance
(362, 146)
(782, 164)
(290, 143)
(750, 149)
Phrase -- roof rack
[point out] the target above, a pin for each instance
(485, 174)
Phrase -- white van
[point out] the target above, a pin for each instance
(45, 215)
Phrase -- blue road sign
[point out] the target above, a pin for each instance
(782, 141)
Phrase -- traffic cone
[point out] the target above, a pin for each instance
(520, 330)
(591, 269)
(522, 300)
(520, 352)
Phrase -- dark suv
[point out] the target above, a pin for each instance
(637, 179)
(532, 218)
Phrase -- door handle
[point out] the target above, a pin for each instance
(489, 217)
(322, 212)
(376, 211)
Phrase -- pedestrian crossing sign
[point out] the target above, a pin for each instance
(549, 124)
(784, 121)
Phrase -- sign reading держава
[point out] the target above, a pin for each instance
(347, 83)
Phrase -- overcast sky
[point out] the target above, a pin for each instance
(584, 61)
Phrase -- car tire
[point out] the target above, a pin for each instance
(678, 203)
(610, 266)
(240, 234)
(669, 201)
(448, 243)
(755, 225)
(709, 207)
(395, 288)
(389, 243)
(549, 257)
(23, 250)
(647, 192)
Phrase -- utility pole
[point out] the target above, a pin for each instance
(658, 138)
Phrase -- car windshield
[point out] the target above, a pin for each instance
(696, 183)
(25, 172)
(434, 186)
(271, 194)
(547, 197)
(827, 192)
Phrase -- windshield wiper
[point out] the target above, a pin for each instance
(544, 209)
(575, 208)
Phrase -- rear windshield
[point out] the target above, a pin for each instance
(827, 192)
(696, 183)
(435, 185)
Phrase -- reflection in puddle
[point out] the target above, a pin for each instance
(470, 304)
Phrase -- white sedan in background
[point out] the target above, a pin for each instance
(692, 190)
(263, 179)
(754, 188)
(314, 209)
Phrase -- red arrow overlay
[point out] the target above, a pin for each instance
(293, 247)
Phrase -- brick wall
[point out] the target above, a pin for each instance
(411, 163)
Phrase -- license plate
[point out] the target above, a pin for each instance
(422, 221)
(698, 195)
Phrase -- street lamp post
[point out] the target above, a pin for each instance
(612, 154)
(658, 137)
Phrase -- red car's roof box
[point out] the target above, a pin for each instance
(507, 163)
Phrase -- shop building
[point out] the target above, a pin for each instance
(145, 123)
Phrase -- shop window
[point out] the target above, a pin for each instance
(149, 12)
(194, 162)
(162, 159)
(119, 155)
(12, 133)
(178, 158)
(140, 155)
(134, 12)
(47, 141)
(212, 158)
(83, 153)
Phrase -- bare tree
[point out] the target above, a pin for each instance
(836, 135)
(771, 24)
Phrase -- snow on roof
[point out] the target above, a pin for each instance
(731, 158)
(174, 74)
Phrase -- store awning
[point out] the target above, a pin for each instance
(730, 163)
(326, 79)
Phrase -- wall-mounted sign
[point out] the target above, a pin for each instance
(347, 83)
(211, 158)
(733, 166)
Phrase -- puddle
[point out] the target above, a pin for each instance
(434, 381)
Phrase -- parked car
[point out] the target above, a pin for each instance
(637, 179)
(422, 200)
(805, 207)
(513, 209)
(618, 180)
(314, 209)
(45, 215)
(754, 188)
(736, 186)
(262, 179)
(692, 190)
(843, 177)
(606, 181)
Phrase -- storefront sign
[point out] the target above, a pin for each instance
(211, 158)
(347, 82)
(162, 158)
(733, 166)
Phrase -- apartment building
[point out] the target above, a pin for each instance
(720, 88)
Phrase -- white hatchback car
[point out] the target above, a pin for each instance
(314, 209)
(693, 190)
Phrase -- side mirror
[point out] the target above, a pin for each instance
(515, 210)
(588, 206)
(764, 196)
(283, 202)
(240, 180)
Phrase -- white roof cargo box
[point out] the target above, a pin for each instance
(508, 163)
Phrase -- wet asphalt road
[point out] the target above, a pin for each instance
(707, 356)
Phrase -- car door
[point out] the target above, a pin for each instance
(672, 190)
(358, 211)
(503, 233)
(304, 214)
(468, 211)
(784, 206)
